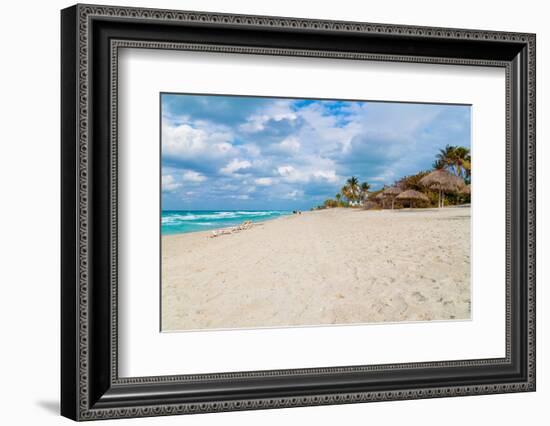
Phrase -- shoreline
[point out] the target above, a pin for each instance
(209, 231)
(395, 211)
(209, 227)
(336, 266)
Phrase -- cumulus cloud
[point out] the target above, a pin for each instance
(329, 175)
(185, 141)
(192, 176)
(277, 110)
(307, 173)
(235, 165)
(169, 184)
(291, 145)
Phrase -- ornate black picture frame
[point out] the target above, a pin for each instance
(91, 387)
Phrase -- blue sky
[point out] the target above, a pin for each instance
(233, 152)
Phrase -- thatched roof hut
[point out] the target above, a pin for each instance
(412, 195)
(443, 181)
(380, 198)
(392, 192)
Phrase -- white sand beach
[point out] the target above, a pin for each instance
(335, 266)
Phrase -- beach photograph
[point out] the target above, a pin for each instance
(287, 212)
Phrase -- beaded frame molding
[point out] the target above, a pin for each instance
(91, 39)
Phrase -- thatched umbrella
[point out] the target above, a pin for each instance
(392, 192)
(411, 195)
(443, 181)
(380, 197)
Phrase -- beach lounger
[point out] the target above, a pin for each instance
(225, 231)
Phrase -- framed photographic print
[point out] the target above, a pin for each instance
(263, 212)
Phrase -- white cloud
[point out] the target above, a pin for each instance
(307, 173)
(277, 111)
(328, 175)
(169, 183)
(285, 170)
(185, 141)
(254, 124)
(191, 176)
(323, 133)
(291, 174)
(239, 197)
(264, 181)
(291, 145)
(236, 165)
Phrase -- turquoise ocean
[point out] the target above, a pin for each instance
(182, 221)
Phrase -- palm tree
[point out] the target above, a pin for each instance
(438, 165)
(338, 198)
(352, 185)
(346, 192)
(461, 160)
(363, 190)
(445, 157)
(456, 159)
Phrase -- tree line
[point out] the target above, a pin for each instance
(456, 160)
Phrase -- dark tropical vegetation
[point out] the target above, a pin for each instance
(448, 183)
